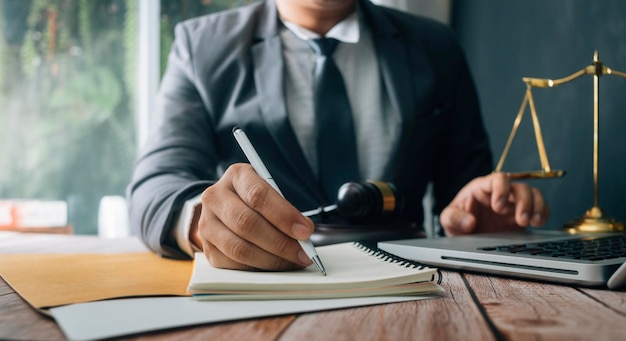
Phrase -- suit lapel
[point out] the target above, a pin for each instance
(269, 81)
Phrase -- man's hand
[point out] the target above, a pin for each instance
(245, 224)
(493, 203)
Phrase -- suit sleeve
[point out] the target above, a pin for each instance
(463, 152)
(179, 159)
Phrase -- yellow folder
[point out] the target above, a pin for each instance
(50, 280)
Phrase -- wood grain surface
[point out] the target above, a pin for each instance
(472, 307)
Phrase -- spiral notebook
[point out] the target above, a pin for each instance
(353, 270)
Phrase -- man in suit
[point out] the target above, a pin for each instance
(415, 115)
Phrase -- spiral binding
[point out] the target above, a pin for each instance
(391, 258)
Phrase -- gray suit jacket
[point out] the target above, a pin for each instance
(226, 70)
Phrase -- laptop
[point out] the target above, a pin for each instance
(586, 259)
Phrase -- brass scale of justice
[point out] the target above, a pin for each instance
(594, 219)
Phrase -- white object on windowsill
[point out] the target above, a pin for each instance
(113, 217)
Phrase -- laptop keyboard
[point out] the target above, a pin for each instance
(585, 248)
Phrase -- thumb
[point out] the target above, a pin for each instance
(456, 221)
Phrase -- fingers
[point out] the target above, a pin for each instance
(258, 195)
(523, 200)
(456, 221)
(526, 202)
(232, 252)
(500, 186)
(541, 211)
(530, 205)
(494, 203)
(245, 224)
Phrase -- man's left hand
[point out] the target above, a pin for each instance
(494, 203)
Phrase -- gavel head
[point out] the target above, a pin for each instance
(360, 201)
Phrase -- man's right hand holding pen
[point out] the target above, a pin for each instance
(245, 224)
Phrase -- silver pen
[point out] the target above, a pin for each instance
(261, 170)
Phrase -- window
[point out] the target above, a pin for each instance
(68, 95)
(67, 132)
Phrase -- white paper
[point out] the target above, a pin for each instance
(112, 318)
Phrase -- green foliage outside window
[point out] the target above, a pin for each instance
(175, 11)
(67, 97)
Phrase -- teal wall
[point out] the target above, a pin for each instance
(507, 40)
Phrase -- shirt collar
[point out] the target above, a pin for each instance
(346, 31)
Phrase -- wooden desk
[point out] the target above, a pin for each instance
(473, 307)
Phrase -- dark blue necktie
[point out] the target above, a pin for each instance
(336, 141)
